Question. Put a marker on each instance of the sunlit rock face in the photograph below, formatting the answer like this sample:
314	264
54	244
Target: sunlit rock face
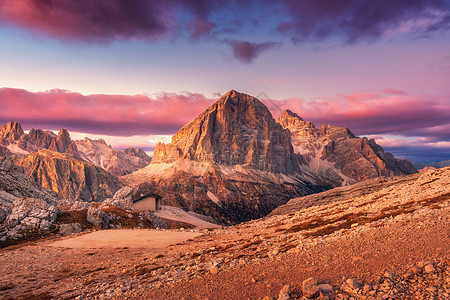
14	142
337	156
69	177
236	130
233	162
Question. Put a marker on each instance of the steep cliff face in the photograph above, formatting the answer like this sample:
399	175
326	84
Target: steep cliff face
337	156
14	184
236	130
69	177
14	142
234	162
11	131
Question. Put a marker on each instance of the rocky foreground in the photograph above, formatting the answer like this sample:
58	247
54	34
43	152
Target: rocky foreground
391	242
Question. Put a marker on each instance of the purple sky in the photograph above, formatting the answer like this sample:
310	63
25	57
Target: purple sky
135	71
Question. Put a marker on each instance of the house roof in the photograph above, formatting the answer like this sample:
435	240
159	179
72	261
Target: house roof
143	191
158	197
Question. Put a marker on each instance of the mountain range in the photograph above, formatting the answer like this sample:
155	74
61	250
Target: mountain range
15	142
234	162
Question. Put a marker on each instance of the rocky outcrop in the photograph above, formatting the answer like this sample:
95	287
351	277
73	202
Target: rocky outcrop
36	140
68	229
69	177
98	218
31	214
123	198
61	142
14	185
336	156
236	130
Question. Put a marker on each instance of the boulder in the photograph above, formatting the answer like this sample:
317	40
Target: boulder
98	218
68	229
123	198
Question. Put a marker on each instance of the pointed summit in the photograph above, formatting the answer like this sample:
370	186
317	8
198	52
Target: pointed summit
289	119
237	129
11	131
63	140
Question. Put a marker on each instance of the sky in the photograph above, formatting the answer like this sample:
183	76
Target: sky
135	71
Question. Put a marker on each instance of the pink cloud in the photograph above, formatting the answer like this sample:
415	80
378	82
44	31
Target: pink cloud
107	114
164	113
375	113
402	123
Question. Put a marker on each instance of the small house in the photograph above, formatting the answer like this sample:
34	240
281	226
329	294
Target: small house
147	202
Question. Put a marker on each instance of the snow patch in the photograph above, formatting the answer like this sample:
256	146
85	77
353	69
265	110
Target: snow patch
177	214
14	148
214	198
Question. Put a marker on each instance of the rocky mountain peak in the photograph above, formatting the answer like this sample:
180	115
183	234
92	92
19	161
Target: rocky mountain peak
292	121
11	131
62	141
337	155
137	153
237	129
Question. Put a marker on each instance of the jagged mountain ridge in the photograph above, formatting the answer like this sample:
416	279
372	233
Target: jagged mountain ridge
337	156
14	142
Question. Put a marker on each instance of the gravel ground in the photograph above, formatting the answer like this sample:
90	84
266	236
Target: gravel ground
391	243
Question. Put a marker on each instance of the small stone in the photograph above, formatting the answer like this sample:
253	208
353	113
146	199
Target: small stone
367	288
388	275
353	283
284	293
429	269
310	288
408	274
431	289
325	288
416	269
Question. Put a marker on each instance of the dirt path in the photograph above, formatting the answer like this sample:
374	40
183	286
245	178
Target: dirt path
126	238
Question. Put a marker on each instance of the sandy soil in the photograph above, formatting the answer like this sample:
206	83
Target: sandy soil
177	214
126	238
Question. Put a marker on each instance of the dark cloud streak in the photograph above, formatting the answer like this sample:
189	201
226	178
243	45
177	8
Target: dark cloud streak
246	52
348	21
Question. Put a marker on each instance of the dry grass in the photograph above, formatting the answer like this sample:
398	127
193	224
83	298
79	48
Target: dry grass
329	226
